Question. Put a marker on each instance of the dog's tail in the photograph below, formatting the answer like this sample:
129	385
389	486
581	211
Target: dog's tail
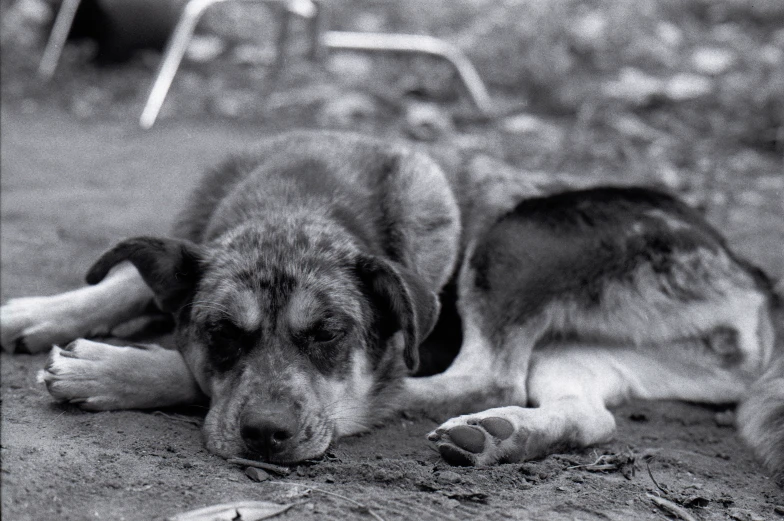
760	416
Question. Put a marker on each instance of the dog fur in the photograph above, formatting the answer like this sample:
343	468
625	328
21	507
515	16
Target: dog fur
305	275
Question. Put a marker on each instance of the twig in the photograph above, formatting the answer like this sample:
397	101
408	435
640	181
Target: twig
672	508
648	466
277	469
344	498
178	417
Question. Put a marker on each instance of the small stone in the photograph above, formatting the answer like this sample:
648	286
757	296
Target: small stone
688	86
713	61
257	474
779	509
634	86
203	49
448	476
427	121
467	437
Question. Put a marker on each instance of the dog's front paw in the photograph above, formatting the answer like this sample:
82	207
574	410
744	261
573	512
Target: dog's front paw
103	377
35	324
90	374
476	439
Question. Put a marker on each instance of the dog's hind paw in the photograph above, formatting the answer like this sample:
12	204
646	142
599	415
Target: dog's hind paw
35	324
479	439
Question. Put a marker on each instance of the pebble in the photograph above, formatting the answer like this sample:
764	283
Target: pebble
257	474
448	476
714	61
688	86
427	122
203	49
634	86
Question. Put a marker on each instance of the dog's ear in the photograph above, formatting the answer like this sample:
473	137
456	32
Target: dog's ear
404	301
170	267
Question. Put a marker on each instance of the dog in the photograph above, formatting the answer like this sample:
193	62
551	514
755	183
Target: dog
304	276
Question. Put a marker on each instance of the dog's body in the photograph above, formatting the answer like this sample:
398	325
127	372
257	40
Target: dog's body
305	275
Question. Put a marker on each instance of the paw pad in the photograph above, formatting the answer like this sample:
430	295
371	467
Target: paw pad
455	456
497	427
468	438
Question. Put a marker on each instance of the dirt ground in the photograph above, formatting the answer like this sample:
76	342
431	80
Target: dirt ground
69	189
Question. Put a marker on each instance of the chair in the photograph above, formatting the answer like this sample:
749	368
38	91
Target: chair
320	42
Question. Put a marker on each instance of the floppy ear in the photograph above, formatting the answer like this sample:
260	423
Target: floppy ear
170	267
401	295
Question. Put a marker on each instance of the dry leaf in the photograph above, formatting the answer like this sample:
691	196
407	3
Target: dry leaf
239	511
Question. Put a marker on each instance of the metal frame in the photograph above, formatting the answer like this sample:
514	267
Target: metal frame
54	46
320	40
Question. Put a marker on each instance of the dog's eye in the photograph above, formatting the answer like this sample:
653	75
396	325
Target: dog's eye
227	343
325	336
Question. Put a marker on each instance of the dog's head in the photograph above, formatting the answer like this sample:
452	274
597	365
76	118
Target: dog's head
296	341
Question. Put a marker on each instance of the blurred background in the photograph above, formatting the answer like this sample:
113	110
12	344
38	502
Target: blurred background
688	94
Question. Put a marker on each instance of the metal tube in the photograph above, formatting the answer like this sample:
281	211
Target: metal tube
57	38
172	57
419	44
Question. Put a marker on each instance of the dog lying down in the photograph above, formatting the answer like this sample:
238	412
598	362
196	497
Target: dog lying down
304	275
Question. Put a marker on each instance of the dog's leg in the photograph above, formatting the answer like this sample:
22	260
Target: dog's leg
34	324
570	388
103	377
481	375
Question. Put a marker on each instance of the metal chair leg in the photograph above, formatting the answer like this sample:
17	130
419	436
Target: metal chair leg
54	46
416	44
175	50
320	40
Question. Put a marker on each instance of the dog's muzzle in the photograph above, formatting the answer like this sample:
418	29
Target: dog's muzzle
269	431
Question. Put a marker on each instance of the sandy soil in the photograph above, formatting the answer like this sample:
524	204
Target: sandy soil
69	189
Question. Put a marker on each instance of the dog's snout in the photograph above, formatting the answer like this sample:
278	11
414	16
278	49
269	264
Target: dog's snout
267	432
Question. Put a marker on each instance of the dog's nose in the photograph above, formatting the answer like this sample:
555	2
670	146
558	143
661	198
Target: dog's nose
267	432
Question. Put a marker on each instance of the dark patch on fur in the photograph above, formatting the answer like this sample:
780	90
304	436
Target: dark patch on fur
228	344
400	300
440	348
170	267
571	244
